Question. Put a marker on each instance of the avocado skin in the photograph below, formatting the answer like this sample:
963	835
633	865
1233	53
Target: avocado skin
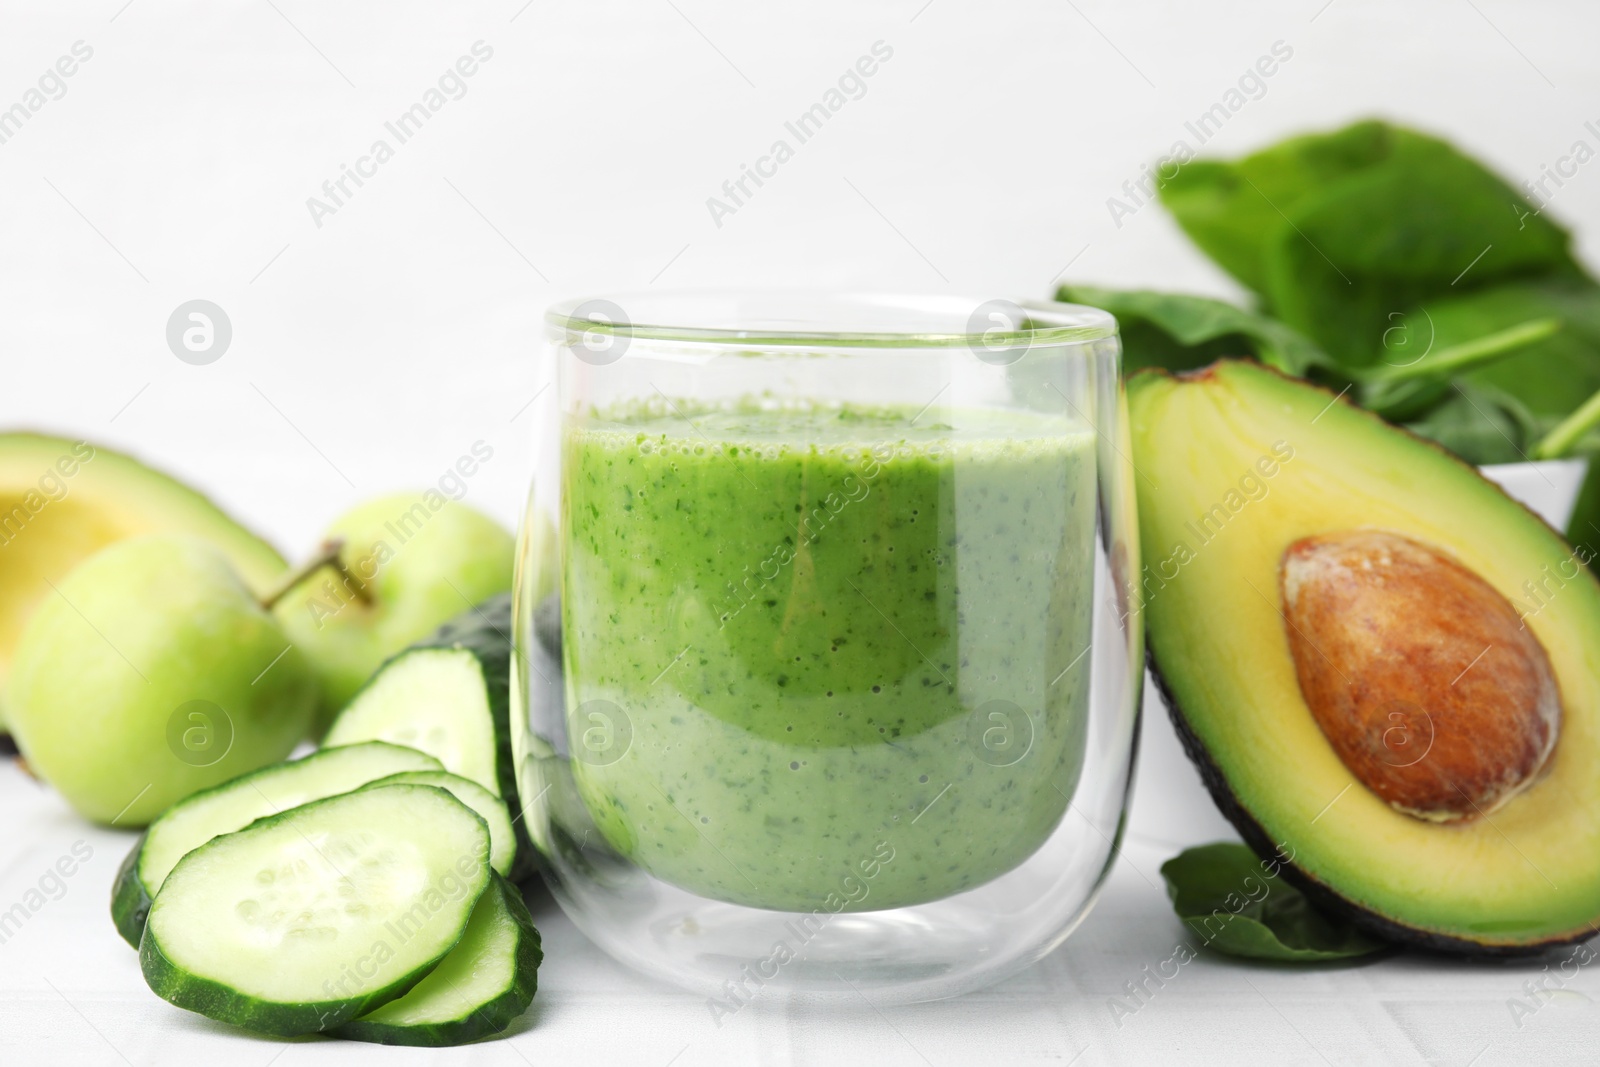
1256	836
1262	845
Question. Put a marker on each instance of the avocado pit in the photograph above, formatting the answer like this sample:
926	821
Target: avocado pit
1420	674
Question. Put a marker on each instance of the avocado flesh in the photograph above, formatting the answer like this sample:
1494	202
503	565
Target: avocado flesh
51	521
1520	879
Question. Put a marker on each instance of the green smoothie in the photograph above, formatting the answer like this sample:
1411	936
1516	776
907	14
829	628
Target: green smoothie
834	654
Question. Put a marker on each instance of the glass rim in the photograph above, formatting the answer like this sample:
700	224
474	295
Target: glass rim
1039	323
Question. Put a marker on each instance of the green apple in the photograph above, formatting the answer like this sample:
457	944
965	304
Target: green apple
151	672
404	564
61	501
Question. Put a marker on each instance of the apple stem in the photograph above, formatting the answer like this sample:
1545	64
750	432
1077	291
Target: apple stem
328	555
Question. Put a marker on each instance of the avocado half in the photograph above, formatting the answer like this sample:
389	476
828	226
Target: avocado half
1235	464
61	501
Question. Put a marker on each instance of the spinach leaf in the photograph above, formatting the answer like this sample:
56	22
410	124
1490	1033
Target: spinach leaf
1351	227
1551	377
1241	906
1573	434
1583	529
1228	208
1533	387
1481	424
1386	259
1177	331
1400	391
1429	225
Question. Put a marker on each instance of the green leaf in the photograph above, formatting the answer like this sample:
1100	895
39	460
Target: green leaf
1399	391
1228	208
1583	529
1551	378
1177	331
1539	383
1563	440
1481	424
1478	352
1338	232
1241	906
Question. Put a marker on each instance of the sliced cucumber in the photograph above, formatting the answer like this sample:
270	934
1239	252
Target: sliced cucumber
306	920
450	696
486	982
433	699
223	809
502	838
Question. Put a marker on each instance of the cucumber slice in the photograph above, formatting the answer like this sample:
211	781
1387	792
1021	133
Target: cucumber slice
432	699
303	921
232	805
486	982
502	838
448	695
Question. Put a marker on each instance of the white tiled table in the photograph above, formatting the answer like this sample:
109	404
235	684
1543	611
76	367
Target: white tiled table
71	993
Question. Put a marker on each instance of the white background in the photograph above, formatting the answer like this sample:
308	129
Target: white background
404	329
370	352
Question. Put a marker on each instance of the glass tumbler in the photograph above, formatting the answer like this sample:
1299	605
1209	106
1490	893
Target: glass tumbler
827	636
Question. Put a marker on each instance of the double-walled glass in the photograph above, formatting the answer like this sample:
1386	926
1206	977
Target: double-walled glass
828	636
